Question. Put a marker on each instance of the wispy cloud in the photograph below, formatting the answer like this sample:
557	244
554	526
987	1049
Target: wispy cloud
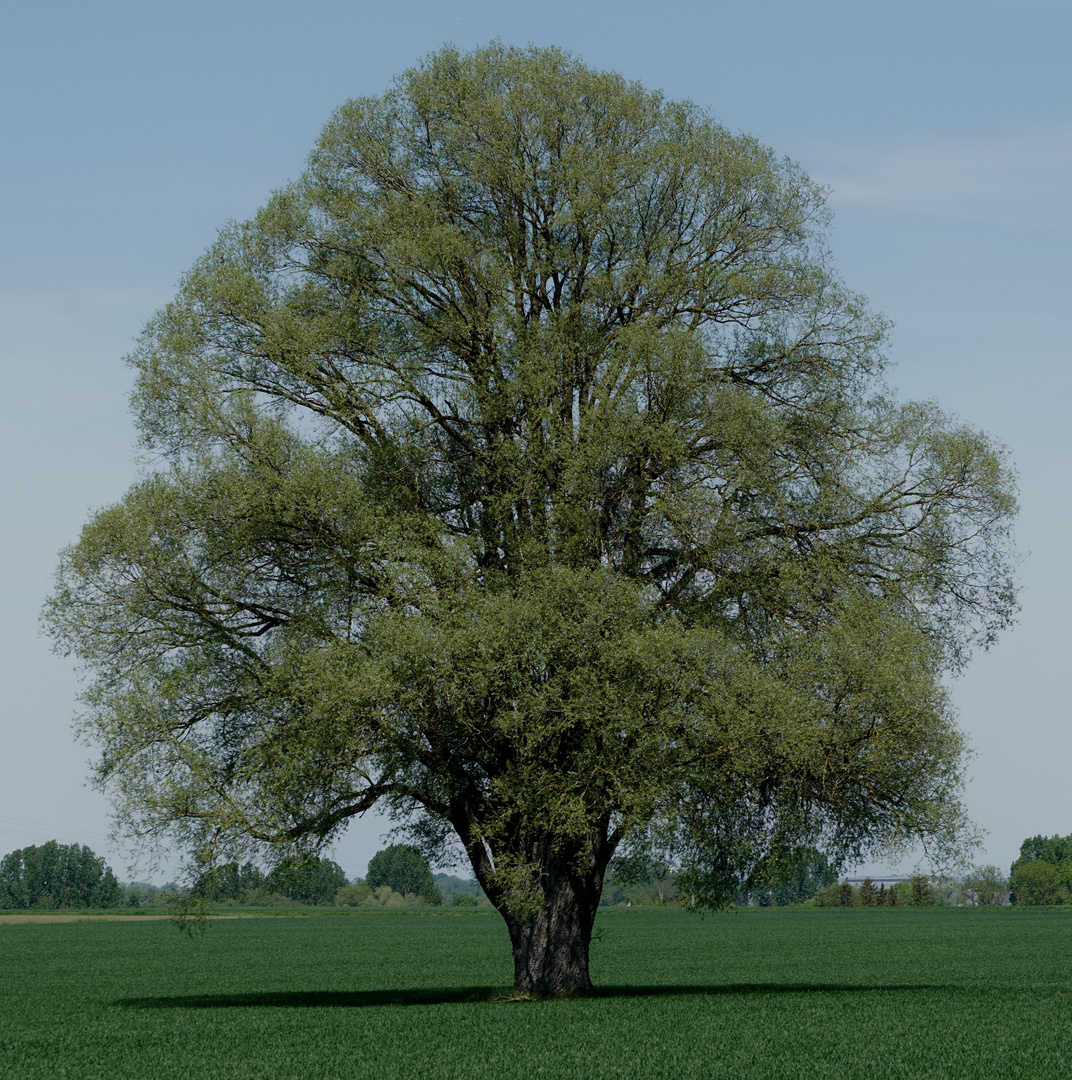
1018	179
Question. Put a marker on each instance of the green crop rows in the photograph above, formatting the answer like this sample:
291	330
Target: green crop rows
815	993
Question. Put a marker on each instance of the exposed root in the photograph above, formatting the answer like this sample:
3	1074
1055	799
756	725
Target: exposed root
530	995
516	995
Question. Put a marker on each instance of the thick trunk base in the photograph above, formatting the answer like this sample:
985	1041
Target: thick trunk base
551	948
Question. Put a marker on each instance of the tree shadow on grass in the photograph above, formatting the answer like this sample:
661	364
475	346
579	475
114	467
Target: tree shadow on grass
455	995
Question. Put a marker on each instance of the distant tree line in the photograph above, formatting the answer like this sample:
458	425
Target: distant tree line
70	876
1041	875
54	875
298	880
397	876
460	892
917	891
794	878
400	876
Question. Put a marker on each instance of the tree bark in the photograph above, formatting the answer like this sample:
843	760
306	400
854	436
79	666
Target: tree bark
551	947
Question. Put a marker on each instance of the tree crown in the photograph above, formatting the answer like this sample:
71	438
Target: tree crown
525	465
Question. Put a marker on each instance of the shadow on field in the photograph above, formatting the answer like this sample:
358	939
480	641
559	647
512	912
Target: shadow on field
450	995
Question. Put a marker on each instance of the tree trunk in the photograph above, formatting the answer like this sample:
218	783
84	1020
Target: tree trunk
551	947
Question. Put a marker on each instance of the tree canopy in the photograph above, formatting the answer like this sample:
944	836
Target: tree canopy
55	875
229	881
1056	850
525	468
306	879
1042	874
406	870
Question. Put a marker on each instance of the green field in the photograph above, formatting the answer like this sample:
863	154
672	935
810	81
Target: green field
794	992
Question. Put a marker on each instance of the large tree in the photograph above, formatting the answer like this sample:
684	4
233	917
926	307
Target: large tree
525	468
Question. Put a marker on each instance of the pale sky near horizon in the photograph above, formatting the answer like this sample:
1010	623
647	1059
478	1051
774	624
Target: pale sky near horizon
132	132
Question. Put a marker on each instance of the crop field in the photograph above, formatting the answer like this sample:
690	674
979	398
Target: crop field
793	992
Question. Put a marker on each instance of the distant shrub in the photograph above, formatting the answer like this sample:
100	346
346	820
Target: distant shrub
792	877
363	895
352	895
146	894
464	900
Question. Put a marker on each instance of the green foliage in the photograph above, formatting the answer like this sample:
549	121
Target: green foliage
306	880
641	881
793	878
404	869
770	994
1039	882
380	896
55	875
450	886
353	895
660	891
919	891
916	892
526	468
1043	872
230	882
828	897
1056	850
144	894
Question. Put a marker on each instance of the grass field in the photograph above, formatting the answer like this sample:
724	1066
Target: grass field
809	993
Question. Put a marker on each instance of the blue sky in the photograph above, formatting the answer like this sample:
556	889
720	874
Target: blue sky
132	132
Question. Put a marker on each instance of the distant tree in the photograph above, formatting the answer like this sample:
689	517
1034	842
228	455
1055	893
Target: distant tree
869	895
985	886
1029	882
406	870
919	891
55	875
450	885
1056	850
229	882
846	895
613	893
306	880
1038	882
789	878
136	893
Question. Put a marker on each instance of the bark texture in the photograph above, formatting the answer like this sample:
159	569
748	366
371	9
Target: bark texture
551	947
